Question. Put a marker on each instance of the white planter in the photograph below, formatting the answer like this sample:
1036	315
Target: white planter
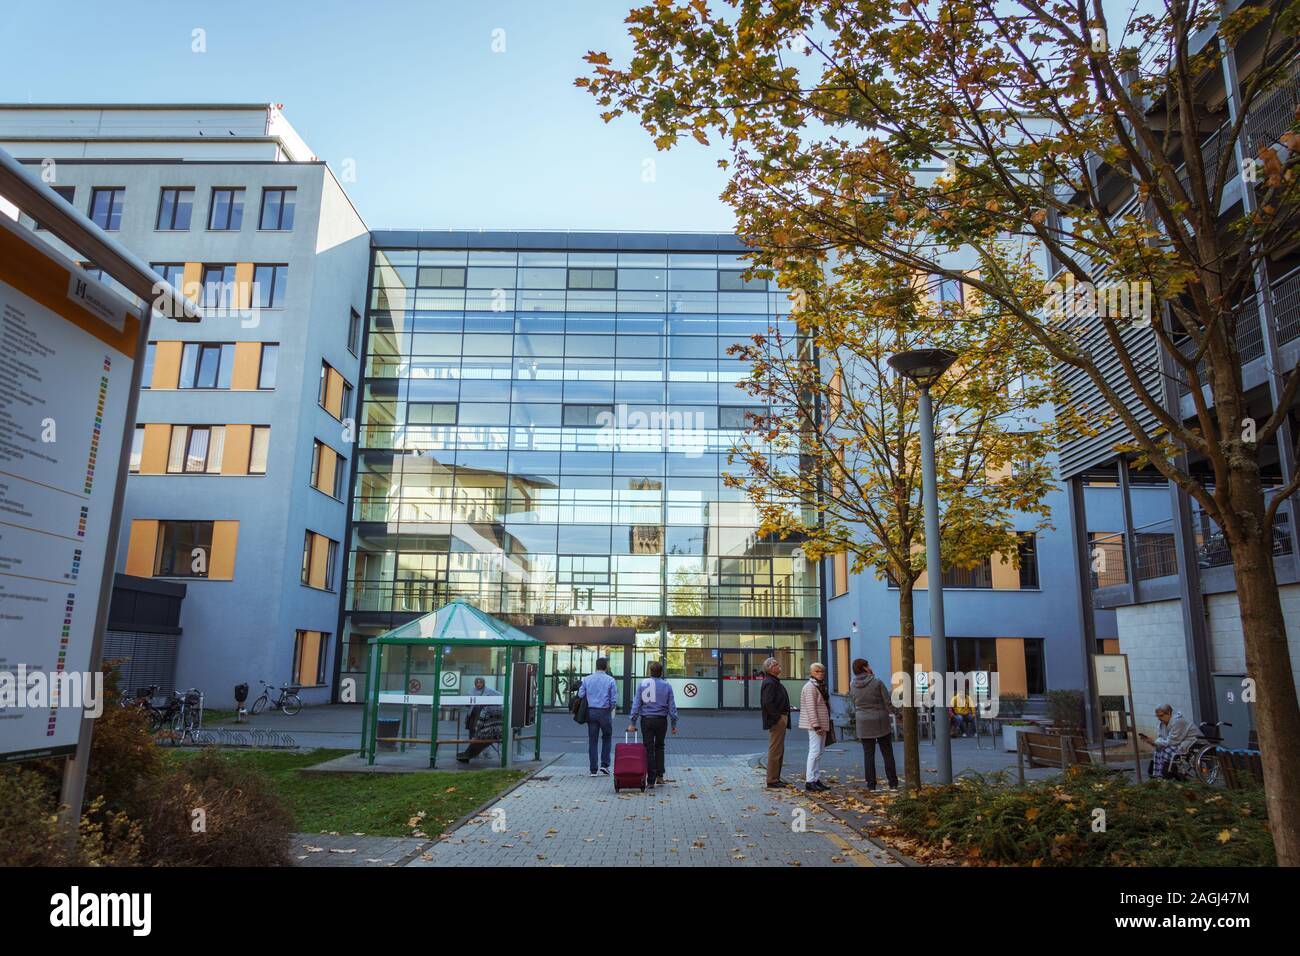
1009	732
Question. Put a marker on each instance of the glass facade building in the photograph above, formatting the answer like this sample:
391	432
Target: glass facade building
543	429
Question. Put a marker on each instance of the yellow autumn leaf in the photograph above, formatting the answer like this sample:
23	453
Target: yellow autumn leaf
1031	813
1225	836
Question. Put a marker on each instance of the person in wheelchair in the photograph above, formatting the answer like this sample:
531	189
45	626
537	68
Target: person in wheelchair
482	723
1175	735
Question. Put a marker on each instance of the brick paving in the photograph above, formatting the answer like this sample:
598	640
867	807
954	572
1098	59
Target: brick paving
716	813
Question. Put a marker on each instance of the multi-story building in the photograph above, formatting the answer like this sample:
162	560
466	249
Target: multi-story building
545	419
1169	580
243	443
1021	624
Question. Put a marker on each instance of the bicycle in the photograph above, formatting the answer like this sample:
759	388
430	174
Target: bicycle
289	703
182	717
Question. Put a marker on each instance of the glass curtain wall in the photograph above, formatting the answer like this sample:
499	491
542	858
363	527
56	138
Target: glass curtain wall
543	434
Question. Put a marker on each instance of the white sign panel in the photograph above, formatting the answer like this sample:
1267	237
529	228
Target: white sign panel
1112	674
65	373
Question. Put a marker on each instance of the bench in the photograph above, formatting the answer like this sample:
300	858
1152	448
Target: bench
1241	769
1050	750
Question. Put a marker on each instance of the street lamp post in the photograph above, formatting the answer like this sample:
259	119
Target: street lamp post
924	367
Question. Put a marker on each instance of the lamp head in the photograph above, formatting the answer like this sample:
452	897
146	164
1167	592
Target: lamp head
923	366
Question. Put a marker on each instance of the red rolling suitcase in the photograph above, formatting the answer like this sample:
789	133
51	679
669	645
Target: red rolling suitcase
629	765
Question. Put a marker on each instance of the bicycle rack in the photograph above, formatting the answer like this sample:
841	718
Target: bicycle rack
253	739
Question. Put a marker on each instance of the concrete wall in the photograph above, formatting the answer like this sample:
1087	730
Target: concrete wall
1152	637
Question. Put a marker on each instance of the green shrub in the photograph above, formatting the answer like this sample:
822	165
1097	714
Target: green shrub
213	811
30	836
1050	822
1011	704
1065	709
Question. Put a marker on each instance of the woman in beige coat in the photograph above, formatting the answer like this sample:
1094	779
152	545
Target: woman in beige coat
815	717
871	707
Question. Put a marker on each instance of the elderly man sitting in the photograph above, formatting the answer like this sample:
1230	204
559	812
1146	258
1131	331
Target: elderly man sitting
1175	735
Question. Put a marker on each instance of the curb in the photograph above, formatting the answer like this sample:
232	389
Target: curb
882	847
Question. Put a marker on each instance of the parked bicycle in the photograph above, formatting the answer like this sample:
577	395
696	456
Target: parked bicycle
182	717
288	702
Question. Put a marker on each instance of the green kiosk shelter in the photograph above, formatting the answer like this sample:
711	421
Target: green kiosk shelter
437	661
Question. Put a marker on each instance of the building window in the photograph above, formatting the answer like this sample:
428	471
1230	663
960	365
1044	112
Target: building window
218	286
106	208
1035	668
206	365
272	284
840	655
137	449
184	549
173	273
738	416
593	278
588	416
944	289
226	213
1028	549
258	448
146	373
310	650
733	280
319	555
345	401
277	209
839	574
175	207
335	394
66	193
431	413
354	331
196	449
980	576
436	277
266	371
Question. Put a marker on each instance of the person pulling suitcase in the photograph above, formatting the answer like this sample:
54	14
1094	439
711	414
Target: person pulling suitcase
655	705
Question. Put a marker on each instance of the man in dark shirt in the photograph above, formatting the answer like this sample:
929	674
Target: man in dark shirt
776	719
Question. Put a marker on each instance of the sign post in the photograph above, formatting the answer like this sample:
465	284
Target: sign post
1111	671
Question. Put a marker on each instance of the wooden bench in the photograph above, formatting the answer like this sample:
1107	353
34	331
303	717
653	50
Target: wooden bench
1241	769
1050	750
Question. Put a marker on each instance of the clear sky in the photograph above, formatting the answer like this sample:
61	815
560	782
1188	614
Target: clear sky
444	132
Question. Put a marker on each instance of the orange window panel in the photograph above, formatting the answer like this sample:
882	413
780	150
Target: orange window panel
225	540
248	363
142	549
166	364
153	453
239	442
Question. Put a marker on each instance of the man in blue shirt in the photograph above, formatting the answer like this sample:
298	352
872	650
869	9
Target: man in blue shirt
601	691
655	704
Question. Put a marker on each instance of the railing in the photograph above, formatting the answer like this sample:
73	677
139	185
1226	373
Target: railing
1157	555
1211	152
1275	113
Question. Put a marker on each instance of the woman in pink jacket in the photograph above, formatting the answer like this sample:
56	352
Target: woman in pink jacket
815	717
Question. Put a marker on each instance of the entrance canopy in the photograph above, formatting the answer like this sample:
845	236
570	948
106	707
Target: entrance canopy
456	661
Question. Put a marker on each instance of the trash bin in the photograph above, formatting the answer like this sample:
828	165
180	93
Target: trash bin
388	727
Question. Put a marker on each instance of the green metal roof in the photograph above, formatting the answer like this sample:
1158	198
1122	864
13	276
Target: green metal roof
457	623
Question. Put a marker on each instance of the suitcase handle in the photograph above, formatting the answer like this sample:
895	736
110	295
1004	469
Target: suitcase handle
634	733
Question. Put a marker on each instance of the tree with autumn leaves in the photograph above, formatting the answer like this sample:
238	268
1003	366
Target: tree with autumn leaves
835	461
1058	124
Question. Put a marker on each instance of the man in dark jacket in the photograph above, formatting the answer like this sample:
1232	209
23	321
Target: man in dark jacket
776	719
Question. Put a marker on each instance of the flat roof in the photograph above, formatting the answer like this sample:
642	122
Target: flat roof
557	239
137	106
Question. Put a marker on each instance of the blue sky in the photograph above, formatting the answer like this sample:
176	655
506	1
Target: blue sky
444	132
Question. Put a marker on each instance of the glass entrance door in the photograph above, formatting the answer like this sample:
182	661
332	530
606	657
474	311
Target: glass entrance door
741	673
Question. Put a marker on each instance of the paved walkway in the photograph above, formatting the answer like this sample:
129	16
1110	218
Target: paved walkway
716	812
351	849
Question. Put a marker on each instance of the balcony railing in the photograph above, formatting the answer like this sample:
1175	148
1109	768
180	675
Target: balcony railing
1157	556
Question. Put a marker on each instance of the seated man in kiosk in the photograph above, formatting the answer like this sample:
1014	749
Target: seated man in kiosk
482	724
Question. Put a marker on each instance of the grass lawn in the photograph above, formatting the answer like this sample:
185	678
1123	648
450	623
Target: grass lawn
377	804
